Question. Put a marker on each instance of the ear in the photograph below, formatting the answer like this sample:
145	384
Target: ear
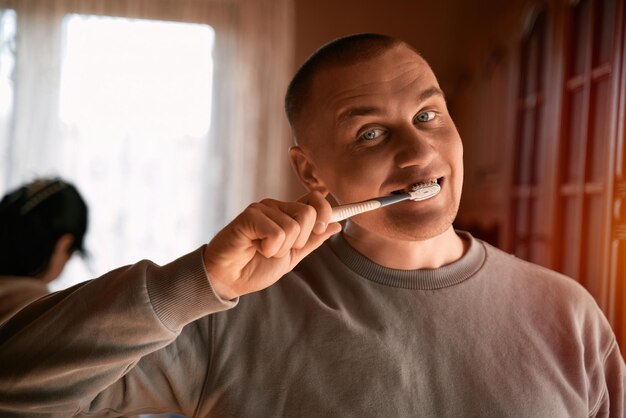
64	244
304	166
59	257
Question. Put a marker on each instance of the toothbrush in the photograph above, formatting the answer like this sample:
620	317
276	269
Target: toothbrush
418	192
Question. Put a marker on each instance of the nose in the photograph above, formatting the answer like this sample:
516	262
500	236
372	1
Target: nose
413	148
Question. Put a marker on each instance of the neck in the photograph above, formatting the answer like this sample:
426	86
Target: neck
389	252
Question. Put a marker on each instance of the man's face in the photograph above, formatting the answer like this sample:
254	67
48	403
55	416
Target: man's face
379	126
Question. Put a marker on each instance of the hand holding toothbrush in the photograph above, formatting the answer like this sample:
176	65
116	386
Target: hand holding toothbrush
267	240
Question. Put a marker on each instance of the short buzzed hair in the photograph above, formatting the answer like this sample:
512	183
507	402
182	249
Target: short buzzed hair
342	51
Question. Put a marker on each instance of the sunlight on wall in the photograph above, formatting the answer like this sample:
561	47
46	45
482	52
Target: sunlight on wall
135	106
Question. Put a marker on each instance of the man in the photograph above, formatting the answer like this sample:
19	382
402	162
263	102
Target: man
397	316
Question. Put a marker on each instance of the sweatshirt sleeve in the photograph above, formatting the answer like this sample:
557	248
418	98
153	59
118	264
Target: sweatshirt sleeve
612	402
62	354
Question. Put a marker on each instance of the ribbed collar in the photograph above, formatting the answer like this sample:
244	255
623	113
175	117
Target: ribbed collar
421	279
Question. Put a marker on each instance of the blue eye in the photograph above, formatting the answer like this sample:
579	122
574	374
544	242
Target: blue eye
372	134
425	116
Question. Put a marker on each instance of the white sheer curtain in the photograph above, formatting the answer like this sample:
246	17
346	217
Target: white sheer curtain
244	155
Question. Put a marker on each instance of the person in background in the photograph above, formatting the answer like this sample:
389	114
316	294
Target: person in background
41	225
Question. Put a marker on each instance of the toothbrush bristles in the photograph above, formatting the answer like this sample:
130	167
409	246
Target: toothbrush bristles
418	186
424	190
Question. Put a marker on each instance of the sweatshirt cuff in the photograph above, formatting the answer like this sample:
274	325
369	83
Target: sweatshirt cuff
180	292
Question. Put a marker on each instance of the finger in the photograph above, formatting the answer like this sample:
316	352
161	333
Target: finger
261	230
322	208
290	227
305	215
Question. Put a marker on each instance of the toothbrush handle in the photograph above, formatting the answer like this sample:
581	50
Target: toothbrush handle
345	211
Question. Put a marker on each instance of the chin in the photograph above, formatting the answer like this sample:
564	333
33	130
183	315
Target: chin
424	227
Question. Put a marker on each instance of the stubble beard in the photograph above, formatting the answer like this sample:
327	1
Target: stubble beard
420	227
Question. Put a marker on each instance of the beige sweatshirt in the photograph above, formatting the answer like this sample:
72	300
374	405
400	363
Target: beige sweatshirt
487	336
17	292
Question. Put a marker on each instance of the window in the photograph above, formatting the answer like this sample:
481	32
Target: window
135	112
7	64
583	192
577	241
528	238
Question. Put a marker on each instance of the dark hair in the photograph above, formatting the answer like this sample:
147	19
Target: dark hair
341	51
32	219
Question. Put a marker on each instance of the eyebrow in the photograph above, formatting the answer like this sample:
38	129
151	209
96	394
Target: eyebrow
356	111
